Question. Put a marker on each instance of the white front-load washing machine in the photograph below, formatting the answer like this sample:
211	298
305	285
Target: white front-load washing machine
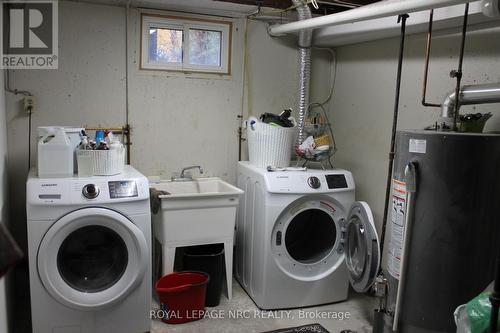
89	241
301	237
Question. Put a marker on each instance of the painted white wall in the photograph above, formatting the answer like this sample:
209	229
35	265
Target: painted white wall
176	120
180	120
362	106
3	187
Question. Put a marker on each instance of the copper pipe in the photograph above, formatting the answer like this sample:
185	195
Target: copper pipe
112	129
427	56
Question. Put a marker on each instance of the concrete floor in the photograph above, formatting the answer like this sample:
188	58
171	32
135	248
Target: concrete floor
358	307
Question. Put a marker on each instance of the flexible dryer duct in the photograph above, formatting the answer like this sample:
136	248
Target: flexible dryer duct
304	43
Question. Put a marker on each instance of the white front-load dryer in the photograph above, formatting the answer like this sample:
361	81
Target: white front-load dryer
89	241
301	237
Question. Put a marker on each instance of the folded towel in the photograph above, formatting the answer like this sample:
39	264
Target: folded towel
154	199
10	253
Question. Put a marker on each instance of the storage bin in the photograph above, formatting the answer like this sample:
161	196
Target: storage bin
208	259
182	296
55	154
270	145
100	162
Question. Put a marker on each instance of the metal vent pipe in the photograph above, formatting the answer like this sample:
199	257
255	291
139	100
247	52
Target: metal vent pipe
304	43
471	95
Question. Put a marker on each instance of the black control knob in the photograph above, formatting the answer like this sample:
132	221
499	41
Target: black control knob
314	182
90	191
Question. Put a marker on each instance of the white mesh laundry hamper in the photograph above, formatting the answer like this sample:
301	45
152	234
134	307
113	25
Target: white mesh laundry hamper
270	145
100	162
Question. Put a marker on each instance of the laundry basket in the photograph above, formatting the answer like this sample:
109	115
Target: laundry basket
270	145
100	162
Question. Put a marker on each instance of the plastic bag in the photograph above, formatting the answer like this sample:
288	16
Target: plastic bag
474	317
479	312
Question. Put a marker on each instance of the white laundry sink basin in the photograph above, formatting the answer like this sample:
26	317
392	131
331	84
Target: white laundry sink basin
202	192
195	210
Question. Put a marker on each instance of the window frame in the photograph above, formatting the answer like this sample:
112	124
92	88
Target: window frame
186	23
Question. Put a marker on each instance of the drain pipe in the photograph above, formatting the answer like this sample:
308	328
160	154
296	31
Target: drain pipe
470	95
304	43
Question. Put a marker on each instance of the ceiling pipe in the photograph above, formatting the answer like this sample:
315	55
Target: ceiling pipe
471	95
368	12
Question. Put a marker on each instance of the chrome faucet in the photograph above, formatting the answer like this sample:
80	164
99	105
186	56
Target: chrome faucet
188	177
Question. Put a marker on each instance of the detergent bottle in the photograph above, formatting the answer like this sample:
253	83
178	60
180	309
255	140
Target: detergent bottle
55	154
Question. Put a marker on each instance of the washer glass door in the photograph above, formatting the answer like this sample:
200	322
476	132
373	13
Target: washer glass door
92	258
363	248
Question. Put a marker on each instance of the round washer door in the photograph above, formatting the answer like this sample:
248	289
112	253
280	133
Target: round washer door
92	258
362	247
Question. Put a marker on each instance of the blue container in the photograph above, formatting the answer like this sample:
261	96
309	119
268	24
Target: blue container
99	136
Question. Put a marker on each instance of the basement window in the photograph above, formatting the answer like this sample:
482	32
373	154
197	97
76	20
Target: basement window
185	44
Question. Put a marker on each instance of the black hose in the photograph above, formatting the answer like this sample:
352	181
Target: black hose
458	73
29	140
401	18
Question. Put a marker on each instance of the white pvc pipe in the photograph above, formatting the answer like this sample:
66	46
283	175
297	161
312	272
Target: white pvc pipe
368	12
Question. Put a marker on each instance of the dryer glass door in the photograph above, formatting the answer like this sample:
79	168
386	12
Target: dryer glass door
363	248
306	238
310	236
92	258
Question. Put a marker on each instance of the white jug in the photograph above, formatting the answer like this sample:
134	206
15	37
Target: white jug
55	154
72	132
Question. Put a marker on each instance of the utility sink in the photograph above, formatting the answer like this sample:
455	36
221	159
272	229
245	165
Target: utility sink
202	211
199	193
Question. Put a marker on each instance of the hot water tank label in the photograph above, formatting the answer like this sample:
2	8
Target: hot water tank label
418	146
398	213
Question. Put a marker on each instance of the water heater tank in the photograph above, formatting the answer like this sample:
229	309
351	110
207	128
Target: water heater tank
454	228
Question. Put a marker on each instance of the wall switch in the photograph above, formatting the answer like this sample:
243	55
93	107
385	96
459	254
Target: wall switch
29	104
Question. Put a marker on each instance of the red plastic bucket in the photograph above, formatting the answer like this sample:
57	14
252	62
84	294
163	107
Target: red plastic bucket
182	296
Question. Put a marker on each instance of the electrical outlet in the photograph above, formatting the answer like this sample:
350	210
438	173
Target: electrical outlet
29	104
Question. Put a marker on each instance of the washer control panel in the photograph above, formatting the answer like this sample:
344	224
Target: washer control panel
314	182
122	189
90	191
130	185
